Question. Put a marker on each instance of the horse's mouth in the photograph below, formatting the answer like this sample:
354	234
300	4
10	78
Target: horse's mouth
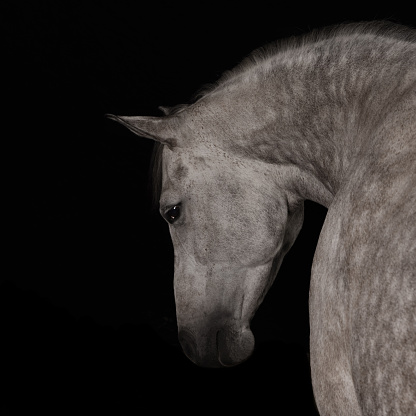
220	348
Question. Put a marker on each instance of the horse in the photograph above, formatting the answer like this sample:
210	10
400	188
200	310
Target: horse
330	117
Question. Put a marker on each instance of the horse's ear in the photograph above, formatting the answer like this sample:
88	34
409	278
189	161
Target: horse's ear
165	110
159	129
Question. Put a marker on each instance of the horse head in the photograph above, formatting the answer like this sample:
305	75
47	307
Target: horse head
231	219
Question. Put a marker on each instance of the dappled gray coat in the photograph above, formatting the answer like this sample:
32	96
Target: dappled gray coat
330	117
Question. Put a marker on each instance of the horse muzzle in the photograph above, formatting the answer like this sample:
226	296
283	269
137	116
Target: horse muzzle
217	347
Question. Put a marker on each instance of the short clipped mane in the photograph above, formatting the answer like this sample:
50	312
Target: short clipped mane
280	47
260	56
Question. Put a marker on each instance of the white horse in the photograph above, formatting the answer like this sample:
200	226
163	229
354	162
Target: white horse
329	117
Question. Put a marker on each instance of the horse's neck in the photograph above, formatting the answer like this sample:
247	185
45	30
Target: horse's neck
319	109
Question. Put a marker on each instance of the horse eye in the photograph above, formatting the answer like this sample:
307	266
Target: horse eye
173	214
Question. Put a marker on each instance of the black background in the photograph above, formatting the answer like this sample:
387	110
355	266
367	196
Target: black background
86	296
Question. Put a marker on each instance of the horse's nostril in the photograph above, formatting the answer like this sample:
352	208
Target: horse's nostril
188	344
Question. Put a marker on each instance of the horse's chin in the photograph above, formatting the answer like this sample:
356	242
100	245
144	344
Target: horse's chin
223	348
234	347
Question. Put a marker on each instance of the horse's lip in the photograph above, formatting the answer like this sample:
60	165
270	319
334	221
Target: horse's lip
228	347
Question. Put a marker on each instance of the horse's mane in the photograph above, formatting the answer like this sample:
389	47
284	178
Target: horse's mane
279	48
